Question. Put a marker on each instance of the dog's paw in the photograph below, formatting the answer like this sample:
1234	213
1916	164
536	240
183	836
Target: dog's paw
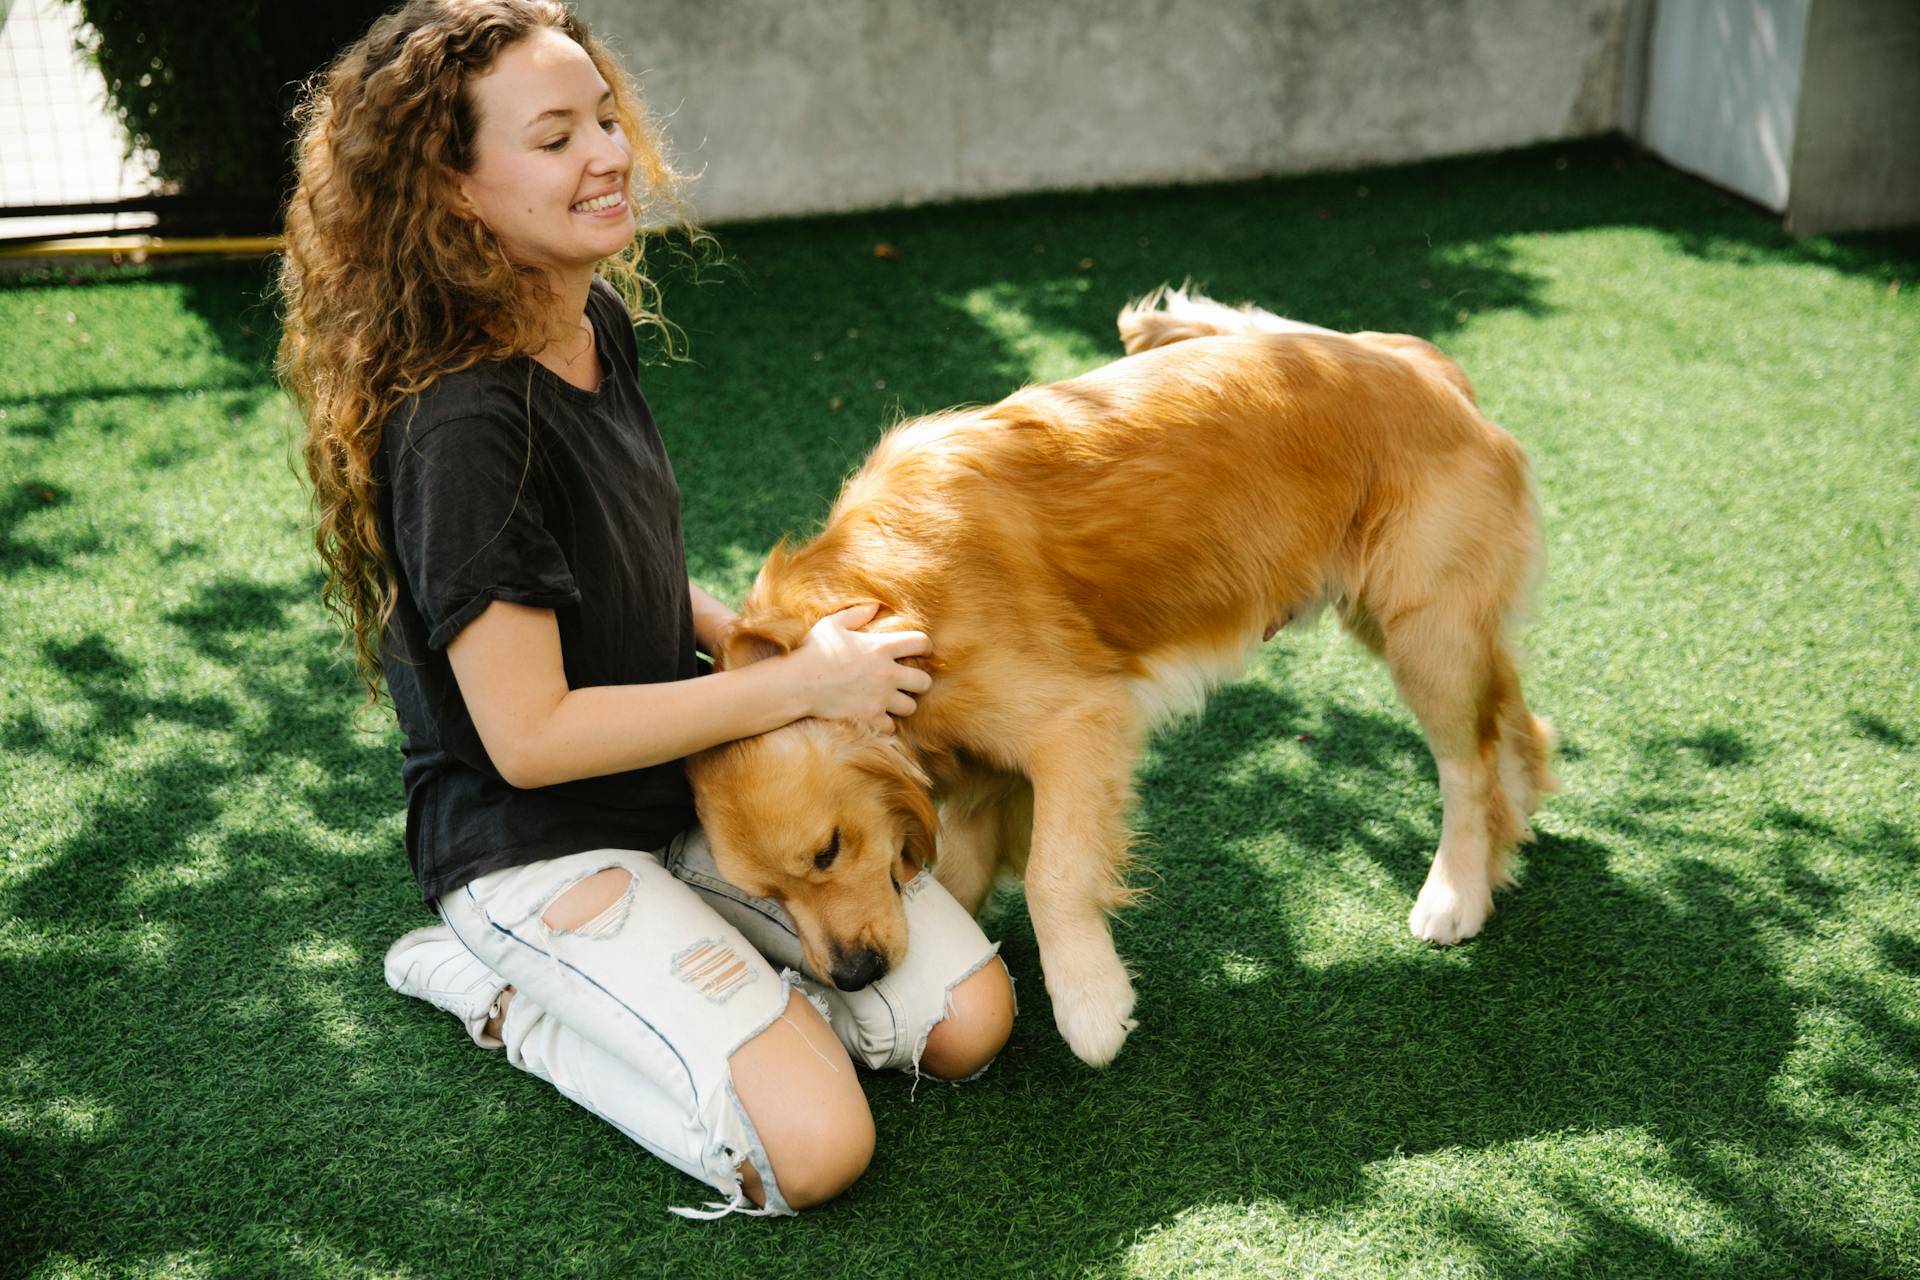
1094	1014
1443	915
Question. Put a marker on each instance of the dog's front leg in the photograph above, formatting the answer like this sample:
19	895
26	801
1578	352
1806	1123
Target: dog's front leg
1081	792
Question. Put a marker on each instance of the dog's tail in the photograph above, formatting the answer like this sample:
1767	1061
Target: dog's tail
1169	315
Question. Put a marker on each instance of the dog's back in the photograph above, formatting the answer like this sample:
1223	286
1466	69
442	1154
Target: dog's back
1238	469
1169	315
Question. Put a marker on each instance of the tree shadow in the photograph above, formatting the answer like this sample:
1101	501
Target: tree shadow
114	389
217	952
1878	729
1591	1004
115	707
20	514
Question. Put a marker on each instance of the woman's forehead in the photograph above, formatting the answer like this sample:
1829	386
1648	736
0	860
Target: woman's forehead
545	72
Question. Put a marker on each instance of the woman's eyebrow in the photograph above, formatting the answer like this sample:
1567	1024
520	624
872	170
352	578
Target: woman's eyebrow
564	113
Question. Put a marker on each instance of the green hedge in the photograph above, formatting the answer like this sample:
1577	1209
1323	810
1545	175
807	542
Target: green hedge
207	85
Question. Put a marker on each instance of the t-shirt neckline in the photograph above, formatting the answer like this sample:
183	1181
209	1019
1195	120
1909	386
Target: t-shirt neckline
560	384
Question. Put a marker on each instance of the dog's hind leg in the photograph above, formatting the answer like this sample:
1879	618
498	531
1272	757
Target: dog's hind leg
986	824
1450	668
1082	789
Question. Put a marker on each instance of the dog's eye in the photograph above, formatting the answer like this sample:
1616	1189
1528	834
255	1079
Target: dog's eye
824	859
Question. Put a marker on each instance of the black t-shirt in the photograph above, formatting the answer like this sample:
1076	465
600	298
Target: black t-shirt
505	482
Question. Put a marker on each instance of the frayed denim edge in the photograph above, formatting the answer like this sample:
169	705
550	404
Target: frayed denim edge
946	1011
776	1205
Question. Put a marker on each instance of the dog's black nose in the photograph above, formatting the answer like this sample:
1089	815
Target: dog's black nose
854	970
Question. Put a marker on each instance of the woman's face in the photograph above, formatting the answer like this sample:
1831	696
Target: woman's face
549	160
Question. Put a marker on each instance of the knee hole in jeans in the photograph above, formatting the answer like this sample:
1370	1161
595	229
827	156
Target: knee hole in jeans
978	1024
592	905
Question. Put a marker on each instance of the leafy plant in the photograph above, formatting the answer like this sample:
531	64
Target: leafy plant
208	87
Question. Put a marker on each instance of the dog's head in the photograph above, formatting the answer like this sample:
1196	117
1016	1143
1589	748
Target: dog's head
829	819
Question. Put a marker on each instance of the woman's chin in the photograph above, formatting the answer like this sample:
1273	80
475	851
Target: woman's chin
610	240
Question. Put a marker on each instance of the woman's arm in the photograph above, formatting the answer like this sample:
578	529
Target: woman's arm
710	619
539	732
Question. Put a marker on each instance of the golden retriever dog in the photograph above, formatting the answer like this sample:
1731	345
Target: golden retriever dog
1092	556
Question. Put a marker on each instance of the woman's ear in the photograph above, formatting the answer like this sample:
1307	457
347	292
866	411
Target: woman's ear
454	194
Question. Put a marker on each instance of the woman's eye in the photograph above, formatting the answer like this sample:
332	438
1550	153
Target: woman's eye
609	125
555	145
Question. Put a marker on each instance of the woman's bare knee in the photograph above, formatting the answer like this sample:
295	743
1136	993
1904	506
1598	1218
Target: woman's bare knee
970	1037
799	1088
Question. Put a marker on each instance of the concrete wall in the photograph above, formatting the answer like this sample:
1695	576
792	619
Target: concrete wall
1856	152
1723	87
805	106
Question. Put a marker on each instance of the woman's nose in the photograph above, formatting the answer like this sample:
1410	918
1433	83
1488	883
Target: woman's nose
613	153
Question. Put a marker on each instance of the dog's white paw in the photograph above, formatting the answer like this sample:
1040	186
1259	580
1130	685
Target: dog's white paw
1444	915
1094	1013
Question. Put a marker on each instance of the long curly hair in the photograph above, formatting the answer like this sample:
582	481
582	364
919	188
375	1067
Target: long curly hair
385	286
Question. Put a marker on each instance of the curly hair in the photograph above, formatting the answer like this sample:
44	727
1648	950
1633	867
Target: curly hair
386	286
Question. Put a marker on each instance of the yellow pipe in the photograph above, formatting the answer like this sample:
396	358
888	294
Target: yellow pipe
140	246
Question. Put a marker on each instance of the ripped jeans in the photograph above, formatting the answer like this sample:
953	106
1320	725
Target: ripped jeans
635	1013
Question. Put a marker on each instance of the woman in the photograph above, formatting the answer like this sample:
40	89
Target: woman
500	529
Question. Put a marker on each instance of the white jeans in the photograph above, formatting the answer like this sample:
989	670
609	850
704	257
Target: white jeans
635	1014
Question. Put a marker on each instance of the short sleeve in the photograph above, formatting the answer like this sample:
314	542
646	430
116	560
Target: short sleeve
468	526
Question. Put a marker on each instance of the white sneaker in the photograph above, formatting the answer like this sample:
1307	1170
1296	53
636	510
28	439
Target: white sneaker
431	964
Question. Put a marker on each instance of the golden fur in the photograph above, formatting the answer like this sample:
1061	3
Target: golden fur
1090	557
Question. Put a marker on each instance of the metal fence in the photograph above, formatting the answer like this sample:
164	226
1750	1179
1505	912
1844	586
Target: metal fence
64	168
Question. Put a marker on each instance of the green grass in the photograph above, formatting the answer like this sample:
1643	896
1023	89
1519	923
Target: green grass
1689	1044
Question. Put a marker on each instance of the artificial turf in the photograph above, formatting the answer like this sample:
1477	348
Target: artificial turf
1688	1044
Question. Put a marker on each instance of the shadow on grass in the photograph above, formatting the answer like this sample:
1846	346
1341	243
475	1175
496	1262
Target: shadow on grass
1591	1005
226	363
19	513
247	1096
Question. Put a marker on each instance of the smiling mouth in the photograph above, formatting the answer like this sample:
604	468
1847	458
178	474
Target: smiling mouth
600	204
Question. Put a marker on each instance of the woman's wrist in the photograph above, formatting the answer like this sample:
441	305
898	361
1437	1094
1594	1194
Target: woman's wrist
788	691
710	619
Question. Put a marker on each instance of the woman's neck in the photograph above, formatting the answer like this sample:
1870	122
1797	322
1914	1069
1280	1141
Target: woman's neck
569	349
569	291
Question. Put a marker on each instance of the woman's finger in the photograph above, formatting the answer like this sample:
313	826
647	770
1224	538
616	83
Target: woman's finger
900	705
855	616
907	644
913	680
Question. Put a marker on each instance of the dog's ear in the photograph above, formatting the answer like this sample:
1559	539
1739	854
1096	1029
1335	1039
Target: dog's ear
923	824
747	642
909	793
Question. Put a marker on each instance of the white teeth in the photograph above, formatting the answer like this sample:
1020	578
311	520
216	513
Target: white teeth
594	206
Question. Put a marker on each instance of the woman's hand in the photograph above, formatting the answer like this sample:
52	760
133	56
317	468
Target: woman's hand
848	674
